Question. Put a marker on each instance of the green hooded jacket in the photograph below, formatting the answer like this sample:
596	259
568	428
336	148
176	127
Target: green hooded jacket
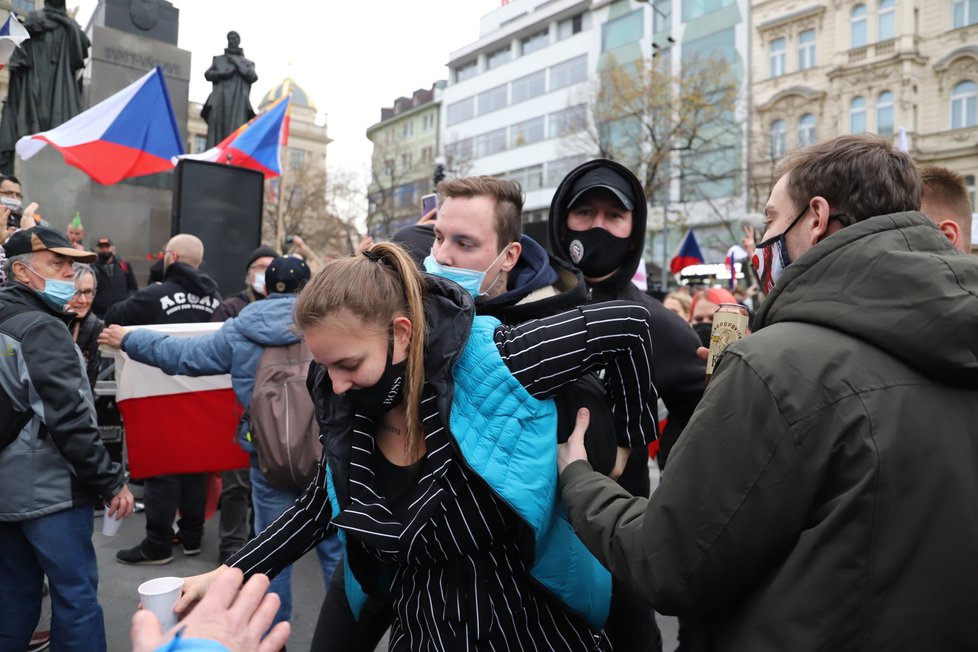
824	495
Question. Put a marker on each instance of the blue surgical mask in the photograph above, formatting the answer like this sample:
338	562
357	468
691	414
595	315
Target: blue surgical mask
56	292
470	279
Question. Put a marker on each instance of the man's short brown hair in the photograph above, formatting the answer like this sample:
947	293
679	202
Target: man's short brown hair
860	176
507	194
947	188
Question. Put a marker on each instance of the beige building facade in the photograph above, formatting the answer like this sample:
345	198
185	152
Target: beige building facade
905	69
405	146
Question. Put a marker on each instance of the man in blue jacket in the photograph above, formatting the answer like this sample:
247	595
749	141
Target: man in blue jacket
236	349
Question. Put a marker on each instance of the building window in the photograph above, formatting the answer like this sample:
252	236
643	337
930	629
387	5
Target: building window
428	121
568	121
573	25
534	41
693	9
530	86
884	113
460	150
557	170
407	129
569	72
22	7
405	161
200	143
857	115
530	178
963	109
427	154
661	15
807	130
622	30
965	13
806	49
778	49
460	111
857	27
526	132
499	57
490	143
296	157
779	139
466	71
969	184
492	99
886	20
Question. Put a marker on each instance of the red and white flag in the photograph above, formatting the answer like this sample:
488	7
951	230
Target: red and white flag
177	424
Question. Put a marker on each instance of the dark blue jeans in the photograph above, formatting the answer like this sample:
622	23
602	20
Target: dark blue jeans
58	545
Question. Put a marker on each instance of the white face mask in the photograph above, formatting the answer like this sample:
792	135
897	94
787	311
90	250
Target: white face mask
258	285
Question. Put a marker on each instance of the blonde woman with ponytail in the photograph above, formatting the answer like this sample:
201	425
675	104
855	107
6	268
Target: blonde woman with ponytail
439	462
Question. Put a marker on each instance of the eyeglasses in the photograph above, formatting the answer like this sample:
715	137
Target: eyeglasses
11	193
87	295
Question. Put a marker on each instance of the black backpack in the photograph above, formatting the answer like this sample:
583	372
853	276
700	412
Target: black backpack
11	421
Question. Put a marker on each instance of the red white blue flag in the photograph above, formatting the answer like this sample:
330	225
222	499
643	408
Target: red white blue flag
12	34
257	144
688	254
130	134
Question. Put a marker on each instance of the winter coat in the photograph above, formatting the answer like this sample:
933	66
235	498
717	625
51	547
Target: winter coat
186	295
58	461
825	494
115	282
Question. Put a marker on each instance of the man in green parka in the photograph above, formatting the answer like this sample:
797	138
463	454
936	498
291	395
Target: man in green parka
824	495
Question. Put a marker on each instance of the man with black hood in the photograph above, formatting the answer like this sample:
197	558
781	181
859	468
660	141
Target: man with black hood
186	295
597	224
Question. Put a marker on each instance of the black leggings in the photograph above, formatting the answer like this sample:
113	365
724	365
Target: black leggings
338	631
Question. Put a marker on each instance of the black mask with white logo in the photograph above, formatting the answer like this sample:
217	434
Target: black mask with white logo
596	252
703	330
388	392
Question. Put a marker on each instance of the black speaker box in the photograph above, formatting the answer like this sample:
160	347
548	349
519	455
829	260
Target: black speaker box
221	205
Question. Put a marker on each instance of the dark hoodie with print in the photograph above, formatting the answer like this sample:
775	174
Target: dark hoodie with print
679	373
186	295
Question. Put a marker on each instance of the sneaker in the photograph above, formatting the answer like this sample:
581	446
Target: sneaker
138	555
39	641
191	551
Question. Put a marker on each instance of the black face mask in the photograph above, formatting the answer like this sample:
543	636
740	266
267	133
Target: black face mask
703	330
388	392
103	257
596	252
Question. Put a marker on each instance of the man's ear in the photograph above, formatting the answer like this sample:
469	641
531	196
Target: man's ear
951	229
819	212
512	256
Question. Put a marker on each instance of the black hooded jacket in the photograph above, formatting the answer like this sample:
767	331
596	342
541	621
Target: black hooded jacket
186	295
679	373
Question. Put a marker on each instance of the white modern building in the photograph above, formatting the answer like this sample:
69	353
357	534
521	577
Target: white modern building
516	96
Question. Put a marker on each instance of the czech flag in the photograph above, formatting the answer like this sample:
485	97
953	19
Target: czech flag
12	34
130	134
257	144
177	424
688	254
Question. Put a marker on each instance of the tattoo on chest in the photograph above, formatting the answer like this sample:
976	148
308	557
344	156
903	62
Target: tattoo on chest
389	428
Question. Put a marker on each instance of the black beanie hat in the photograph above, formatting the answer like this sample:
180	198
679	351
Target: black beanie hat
261	252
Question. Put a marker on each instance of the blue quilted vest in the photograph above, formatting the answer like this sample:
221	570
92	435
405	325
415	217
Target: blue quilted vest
509	439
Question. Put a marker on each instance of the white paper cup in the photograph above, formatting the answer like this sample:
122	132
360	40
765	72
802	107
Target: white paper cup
110	524
159	596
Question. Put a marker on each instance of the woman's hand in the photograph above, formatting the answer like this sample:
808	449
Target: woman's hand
237	619
194	588
112	336
573	449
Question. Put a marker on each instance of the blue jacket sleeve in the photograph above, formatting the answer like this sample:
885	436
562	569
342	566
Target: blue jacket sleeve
204	355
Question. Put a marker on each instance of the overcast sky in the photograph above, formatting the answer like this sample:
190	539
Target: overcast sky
352	58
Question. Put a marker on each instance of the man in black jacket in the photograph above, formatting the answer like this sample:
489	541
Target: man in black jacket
113	276
186	295
56	468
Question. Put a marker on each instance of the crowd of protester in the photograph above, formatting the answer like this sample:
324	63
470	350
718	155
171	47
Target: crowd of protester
485	406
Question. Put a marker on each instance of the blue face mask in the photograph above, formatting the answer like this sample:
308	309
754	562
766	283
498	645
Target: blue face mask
56	292
470	279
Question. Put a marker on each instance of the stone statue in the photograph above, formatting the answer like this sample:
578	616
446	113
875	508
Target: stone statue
228	106
45	84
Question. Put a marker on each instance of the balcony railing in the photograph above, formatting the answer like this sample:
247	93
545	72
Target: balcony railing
857	54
